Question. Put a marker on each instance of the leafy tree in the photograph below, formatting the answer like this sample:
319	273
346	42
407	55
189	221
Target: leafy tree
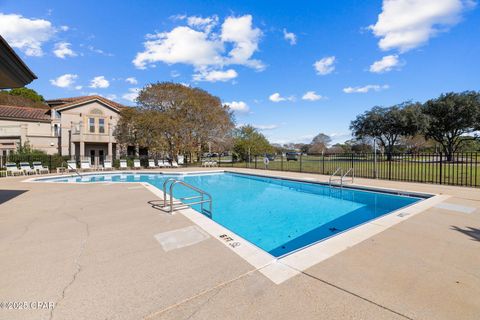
187	118
450	117
18	100
27	150
389	124
319	143
27	93
249	142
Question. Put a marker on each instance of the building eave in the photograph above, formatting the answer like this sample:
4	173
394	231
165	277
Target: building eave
14	73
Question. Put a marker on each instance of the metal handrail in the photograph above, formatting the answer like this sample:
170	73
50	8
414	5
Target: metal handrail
334	174
346	173
203	194
74	169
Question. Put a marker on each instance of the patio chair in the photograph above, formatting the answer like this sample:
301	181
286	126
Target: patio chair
174	164
136	164
167	164
151	164
123	164
71	165
39	168
25	167
85	165
13	170
107	165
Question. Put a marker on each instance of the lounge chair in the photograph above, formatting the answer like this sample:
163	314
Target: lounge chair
71	165
25	167
214	164
164	164
85	165
174	164
136	164
13	170
39	168
107	165
151	164
123	164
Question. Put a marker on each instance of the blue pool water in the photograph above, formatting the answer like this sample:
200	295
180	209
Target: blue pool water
277	215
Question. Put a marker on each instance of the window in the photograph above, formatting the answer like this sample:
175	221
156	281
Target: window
101	125
56	130
91	125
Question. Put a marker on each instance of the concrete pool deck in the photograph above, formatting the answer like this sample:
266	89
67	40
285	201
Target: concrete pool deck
90	249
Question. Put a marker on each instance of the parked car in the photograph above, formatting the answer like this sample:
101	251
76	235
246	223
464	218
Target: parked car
292	156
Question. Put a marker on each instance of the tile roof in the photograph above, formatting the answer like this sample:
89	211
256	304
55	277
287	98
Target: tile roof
65	102
16	112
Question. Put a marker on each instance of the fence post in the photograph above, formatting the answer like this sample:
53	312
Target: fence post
255	162
352	160
281	161
389	159
49	163
441	168
301	161
323	163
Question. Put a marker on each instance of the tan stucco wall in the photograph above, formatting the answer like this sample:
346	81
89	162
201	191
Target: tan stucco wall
38	134
81	114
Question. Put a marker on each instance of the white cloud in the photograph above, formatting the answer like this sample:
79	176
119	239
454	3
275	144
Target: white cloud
131	95
407	24
111	96
311	96
63	50
244	38
131	80
64	81
198	46
276	97
215	75
265	126
99	82
385	64
205	24
290	37
78	87
325	65
365	89
26	34
174	74
238	106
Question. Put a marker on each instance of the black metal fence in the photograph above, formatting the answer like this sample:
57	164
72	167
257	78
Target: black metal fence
462	170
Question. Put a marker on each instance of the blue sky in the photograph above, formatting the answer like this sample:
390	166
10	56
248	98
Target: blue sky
293	69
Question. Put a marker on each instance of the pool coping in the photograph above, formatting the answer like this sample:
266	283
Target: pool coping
280	269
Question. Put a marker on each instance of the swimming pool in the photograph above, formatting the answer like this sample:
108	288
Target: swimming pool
277	215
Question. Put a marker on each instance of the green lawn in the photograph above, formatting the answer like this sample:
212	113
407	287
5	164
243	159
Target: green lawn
419	168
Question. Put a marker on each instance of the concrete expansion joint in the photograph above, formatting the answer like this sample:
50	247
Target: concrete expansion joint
78	266
353	294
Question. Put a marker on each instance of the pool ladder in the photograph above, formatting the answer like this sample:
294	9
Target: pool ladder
342	176
170	205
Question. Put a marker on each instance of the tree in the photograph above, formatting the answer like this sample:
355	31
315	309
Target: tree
319	143
27	93
6	98
188	118
249	142
450	117
389	124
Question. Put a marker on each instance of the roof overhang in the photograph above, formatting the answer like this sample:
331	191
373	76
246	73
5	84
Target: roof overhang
84	102
14	73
